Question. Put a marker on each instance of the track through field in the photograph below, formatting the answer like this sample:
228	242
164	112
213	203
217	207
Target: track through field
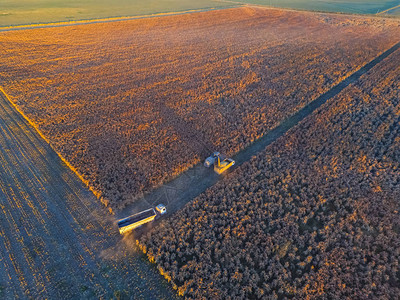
56	240
198	179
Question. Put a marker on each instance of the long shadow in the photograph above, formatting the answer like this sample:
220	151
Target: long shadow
195	181
187	131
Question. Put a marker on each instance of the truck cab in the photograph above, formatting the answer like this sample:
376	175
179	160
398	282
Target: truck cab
161	209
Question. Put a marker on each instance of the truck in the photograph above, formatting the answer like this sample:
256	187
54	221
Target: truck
128	224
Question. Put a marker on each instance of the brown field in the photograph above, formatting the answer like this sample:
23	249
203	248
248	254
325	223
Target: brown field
132	104
56	239
314	216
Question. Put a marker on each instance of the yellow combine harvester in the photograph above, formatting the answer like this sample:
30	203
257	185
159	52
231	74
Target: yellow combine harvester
220	163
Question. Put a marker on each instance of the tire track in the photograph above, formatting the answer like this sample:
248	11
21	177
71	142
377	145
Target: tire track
53	230
204	179
46	155
54	221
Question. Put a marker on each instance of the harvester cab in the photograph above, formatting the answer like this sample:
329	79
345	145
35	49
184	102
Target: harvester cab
221	163
211	159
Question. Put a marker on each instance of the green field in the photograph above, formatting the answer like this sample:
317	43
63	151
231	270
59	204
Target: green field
347	6
395	12
21	12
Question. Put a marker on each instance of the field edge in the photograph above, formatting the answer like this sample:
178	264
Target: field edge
96	193
110	19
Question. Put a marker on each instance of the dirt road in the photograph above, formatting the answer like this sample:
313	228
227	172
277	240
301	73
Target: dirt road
56	241
198	179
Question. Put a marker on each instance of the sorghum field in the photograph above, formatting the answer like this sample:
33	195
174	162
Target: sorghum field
132	104
314	216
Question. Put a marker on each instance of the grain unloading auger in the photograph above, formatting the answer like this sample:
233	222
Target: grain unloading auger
221	163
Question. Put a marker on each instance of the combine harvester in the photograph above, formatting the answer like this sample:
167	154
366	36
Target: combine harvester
221	163
128	224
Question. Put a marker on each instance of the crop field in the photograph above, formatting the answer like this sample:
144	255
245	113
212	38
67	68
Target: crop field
133	104
345	6
313	216
21	12
56	241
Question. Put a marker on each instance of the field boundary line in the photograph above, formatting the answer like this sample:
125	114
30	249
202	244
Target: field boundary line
110	20
387	10
320	11
96	193
235	4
